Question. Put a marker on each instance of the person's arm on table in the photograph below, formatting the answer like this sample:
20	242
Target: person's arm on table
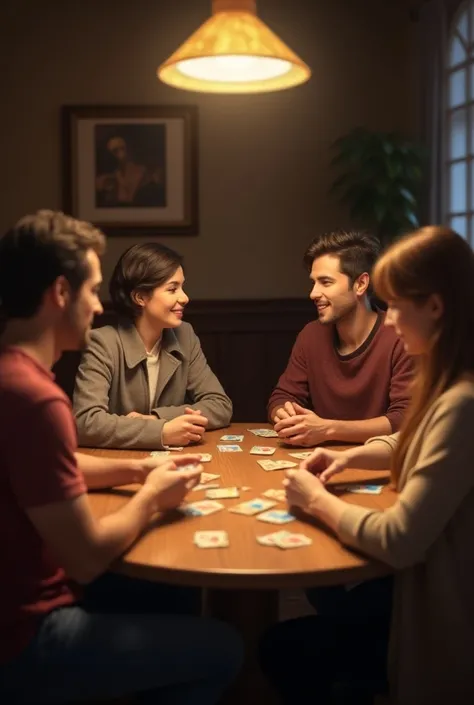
100	473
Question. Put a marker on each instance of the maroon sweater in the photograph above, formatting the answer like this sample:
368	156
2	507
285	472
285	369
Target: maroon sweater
370	382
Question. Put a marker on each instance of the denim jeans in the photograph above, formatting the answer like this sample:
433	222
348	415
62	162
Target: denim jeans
83	653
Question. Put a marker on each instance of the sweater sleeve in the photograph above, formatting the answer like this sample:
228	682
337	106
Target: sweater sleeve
97	425
436	487
399	394
293	383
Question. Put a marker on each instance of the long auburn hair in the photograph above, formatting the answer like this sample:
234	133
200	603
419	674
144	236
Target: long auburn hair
432	260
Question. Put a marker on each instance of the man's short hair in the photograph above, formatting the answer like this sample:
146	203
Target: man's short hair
36	251
142	267
357	250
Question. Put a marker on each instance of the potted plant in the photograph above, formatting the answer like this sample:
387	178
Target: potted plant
380	180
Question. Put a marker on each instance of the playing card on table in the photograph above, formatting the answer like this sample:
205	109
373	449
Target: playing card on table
364	489
231	437
262	450
190	466
276	516
229	449
159	453
269	465
264	432
269	539
292	540
205	457
253	506
301	456
208	477
279	495
202	509
206	486
223	493
211	539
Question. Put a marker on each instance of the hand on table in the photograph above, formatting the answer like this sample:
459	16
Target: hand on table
172	484
185	429
303	428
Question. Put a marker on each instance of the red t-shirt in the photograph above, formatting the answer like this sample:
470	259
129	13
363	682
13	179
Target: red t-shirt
37	467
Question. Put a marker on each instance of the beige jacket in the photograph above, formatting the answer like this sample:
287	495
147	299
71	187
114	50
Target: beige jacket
112	381
428	537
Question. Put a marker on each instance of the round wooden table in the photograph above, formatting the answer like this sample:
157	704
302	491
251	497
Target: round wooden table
242	581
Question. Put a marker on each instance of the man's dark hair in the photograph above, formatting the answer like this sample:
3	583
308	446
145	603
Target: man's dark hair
36	251
357	251
141	268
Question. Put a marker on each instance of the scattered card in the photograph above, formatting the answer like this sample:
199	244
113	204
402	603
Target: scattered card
301	456
269	539
263	432
159	453
206	486
229	449
223	493
201	509
253	506
205	457
233	438
190	466
211	539
270	465
276	516
208	477
364	489
262	450
292	540
278	495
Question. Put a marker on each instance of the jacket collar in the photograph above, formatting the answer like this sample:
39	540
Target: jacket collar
133	348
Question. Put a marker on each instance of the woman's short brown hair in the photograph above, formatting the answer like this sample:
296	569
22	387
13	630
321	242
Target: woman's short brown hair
141	268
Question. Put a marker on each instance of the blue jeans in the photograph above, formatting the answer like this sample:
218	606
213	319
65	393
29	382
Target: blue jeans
80	653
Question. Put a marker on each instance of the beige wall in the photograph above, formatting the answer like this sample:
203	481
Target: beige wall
264	173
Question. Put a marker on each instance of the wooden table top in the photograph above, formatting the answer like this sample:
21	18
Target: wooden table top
166	552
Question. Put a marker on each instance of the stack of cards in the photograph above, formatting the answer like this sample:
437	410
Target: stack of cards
284	539
211	539
262	450
264	432
279	495
223	493
276	516
201	509
253	506
229	449
232	438
270	465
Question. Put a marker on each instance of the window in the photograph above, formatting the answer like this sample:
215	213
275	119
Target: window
460	123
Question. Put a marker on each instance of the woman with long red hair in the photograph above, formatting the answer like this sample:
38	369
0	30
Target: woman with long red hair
427	536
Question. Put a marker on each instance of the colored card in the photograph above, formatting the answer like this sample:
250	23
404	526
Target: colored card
223	493
211	539
202	509
276	516
253	506
229	449
262	450
270	465
232	438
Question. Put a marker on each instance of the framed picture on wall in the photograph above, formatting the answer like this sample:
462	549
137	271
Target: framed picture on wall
131	169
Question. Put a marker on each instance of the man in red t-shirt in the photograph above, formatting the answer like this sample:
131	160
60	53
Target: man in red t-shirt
55	646
348	374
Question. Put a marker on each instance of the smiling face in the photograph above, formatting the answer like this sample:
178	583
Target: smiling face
164	306
333	294
415	321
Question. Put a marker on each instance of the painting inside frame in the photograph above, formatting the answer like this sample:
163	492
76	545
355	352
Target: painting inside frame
132	169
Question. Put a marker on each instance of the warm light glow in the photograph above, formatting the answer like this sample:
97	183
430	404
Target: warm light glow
233	68
234	52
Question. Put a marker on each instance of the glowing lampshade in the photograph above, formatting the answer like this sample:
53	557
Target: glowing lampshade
233	52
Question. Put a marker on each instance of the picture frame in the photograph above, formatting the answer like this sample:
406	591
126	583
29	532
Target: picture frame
132	169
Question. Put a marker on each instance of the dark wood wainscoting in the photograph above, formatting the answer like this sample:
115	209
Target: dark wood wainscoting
247	344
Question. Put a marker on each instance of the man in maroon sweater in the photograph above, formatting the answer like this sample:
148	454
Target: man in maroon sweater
347	376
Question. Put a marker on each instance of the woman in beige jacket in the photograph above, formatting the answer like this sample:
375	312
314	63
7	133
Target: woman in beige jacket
427	536
145	383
